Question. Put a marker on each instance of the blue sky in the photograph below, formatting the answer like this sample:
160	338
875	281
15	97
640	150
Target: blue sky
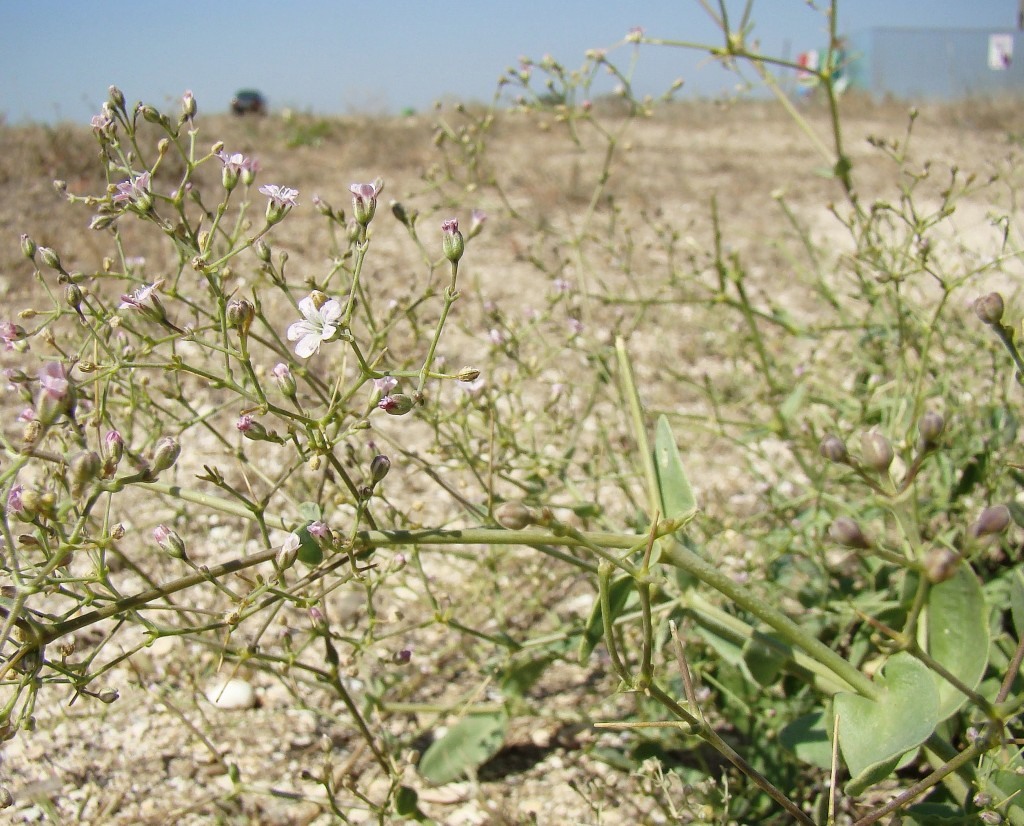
336	56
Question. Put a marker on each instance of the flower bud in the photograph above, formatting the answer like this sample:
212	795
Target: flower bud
989	308
285	380
84	467
165	454
262	251
834	449
188	105
930	427
252	429
288	553
116	97
28	247
321	206
113	446
169	542
379	468
73	297
50	258
402	657
846	532
397	404
514	515
151	114
940	564
240	314
399	212
108	696
452	242
476	222
991	521
876	451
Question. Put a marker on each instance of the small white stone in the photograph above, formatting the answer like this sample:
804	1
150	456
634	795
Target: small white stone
232	694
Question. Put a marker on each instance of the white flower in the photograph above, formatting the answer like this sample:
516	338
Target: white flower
319	325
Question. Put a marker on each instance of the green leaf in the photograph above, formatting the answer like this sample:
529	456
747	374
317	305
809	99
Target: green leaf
594	632
765	657
407	805
675	495
674	489
521	674
310	511
309	549
468	744
874	734
958	635
810	739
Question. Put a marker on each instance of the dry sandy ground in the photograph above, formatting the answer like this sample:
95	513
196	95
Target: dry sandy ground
158	754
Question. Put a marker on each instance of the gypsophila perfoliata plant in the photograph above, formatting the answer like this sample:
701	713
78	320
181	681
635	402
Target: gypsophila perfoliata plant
327	477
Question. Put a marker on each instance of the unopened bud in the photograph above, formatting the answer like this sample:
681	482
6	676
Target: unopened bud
28	247
151	114
287	555
991	521
514	515
108	696
285	380
84	467
452	242
165	454
846	532
262	251
240	314
113	446
188	105
73	297
402	657
397	404
379	468
931	427
989	308
321	206
50	257
116	97
399	212
940	564
169	542
876	451
833	448
468	374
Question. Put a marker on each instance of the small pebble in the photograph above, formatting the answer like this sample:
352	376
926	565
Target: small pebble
232	694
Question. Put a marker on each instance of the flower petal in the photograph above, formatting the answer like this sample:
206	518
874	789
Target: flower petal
308	308
300	329
307	345
331	311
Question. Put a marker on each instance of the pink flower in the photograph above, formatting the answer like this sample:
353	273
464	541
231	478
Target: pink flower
134	191
138	299
364	200
319	530
10	333
385	384
318	326
561	285
575	326
237	162
497	337
27	415
14	500
280	196
54	380
244	423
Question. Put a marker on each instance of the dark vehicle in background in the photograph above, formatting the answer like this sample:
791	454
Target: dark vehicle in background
248	102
